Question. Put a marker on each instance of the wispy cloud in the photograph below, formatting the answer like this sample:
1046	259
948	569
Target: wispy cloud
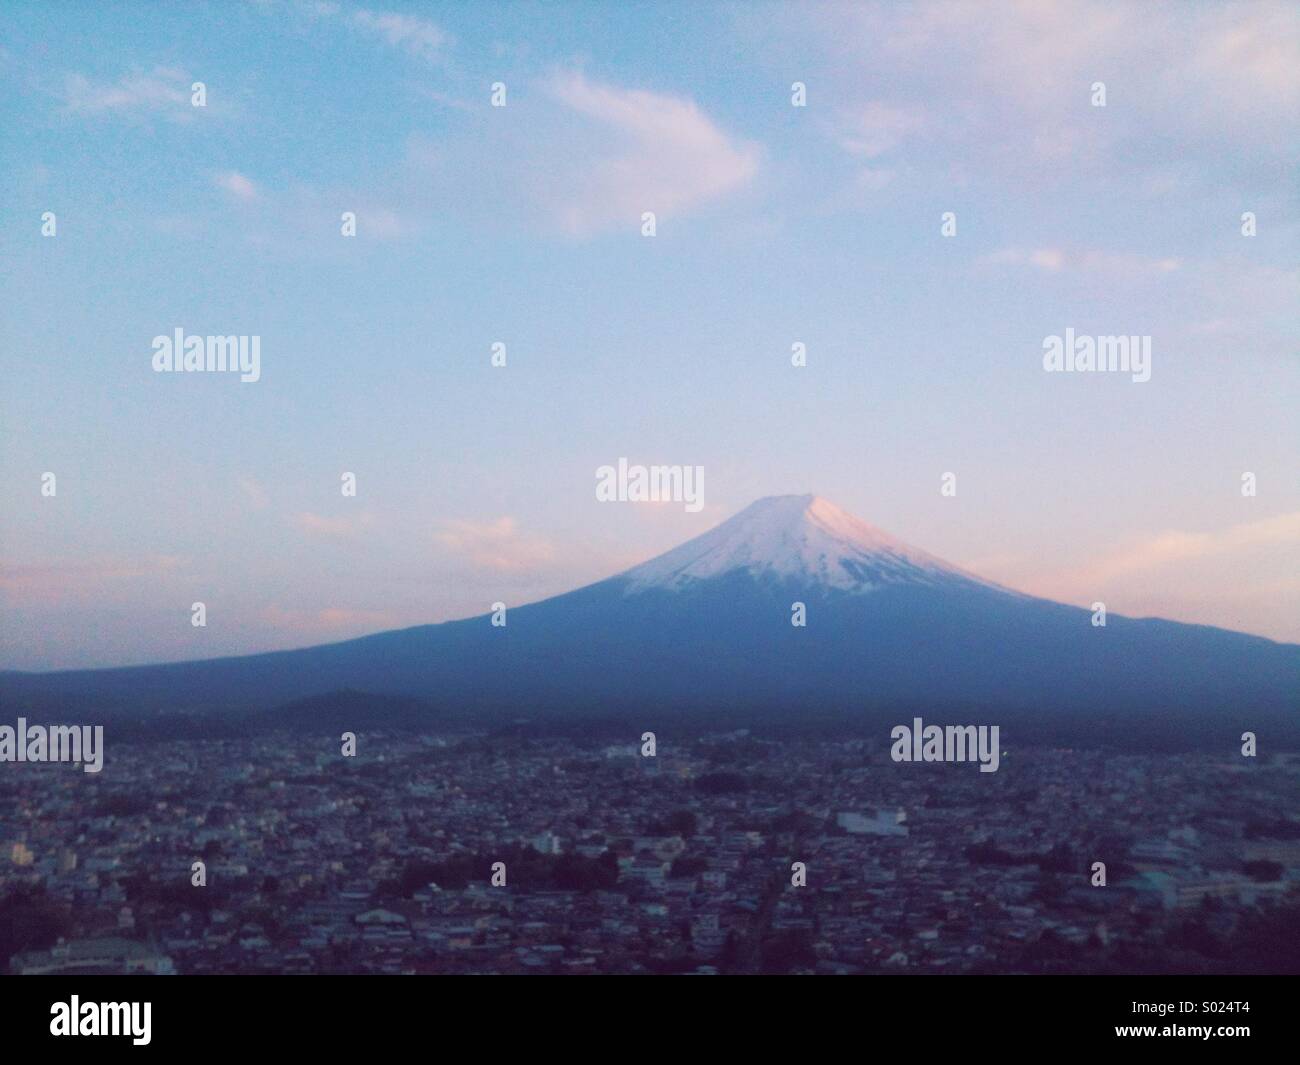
235	183
876	128
53	582
326	619
443	99
1178	546
342	526
1231	577
414	34
161	90
1055	260
669	156
1016	78
411	33
494	545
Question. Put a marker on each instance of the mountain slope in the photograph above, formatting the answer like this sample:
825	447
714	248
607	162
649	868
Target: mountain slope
705	628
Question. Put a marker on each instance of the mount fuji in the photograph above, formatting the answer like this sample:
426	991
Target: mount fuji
705	630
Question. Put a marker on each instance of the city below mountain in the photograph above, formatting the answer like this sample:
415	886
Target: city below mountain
706	631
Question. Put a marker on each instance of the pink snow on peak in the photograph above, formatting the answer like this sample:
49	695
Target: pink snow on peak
803	538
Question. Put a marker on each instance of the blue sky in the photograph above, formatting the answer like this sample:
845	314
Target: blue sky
522	224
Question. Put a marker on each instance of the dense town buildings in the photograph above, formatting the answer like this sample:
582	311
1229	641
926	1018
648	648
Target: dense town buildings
462	852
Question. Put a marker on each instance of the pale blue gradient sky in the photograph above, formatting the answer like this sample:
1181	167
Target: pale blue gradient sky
521	224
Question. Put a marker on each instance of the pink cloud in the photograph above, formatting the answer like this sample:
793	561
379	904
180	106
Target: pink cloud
327	619
55	582
1228	577
341	526
237	185
494	545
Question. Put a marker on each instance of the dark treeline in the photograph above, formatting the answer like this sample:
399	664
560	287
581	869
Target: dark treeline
1150	732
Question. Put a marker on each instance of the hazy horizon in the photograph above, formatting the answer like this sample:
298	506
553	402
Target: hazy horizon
637	567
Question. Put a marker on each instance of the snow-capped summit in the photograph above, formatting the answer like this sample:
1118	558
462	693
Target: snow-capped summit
805	539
